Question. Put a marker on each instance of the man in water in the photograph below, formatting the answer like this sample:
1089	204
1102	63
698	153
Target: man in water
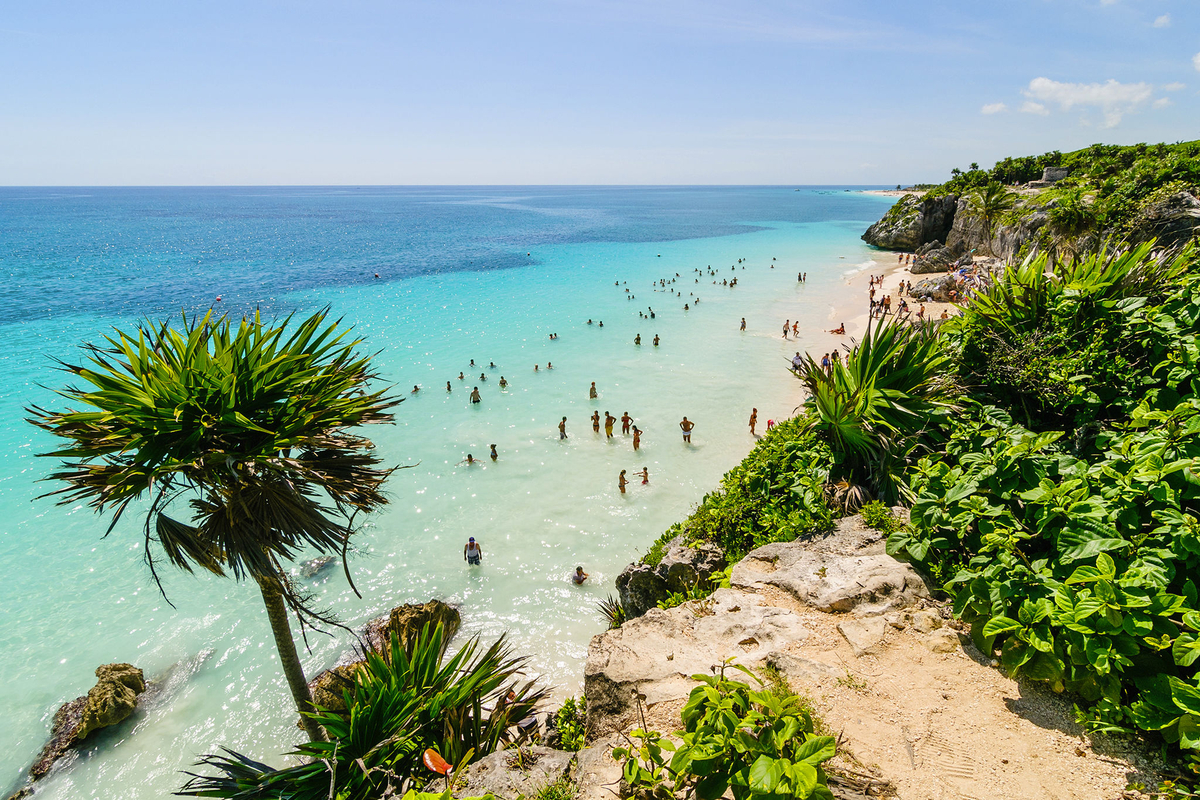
475	395
797	360
626	421
753	420
580	576
562	429
637	339
686	426
472	552
448	389
655	337
609	421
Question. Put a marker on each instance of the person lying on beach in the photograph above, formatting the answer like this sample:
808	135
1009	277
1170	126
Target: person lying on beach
840	330
580	576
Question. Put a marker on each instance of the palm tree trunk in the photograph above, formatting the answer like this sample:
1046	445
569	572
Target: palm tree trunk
277	614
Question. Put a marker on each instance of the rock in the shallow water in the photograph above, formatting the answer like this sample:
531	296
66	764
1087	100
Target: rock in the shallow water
912	222
640	586
509	774
314	567
111	700
407	621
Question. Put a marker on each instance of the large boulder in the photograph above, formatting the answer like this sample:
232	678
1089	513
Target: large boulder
936	289
912	222
515	773
111	700
1172	221
683	566
407	620
939	259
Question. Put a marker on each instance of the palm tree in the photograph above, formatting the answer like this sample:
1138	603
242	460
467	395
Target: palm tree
244	424
987	204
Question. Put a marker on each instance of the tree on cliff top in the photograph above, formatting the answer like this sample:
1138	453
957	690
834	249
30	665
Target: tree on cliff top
247	425
988	203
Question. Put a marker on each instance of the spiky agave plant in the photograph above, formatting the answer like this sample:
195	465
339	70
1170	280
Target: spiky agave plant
240	428
872	409
403	699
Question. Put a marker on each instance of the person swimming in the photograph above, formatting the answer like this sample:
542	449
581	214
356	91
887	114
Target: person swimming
503	383
469	460
461	377
580	576
416	389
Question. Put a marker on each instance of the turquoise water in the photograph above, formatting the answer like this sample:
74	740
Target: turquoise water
464	273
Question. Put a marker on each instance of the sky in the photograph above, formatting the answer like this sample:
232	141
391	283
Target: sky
580	91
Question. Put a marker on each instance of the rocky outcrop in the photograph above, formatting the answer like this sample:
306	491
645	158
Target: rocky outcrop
844	572
406	621
640	586
317	566
111	700
934	257
515	773
936	289
1172	221
912	222
1023	227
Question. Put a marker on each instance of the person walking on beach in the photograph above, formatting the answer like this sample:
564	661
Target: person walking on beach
686	426
753	420
637	438
472	552
796	329
562	429
626	421
787	323
609	421
592	391
621	481
475	395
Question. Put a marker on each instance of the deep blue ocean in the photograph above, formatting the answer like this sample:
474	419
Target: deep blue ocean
463	273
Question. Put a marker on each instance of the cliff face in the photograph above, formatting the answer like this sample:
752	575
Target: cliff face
912	222
967	232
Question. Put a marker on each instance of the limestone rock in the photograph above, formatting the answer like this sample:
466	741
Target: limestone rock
655	654
830	581
595	772
805	670
407	621
511	774
941	259
316	566
328	686
864	634
111	700
943	640
936	289
640	586
1172	221
912	222
926	621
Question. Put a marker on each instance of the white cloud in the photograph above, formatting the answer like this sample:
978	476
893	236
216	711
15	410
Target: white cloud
1163	22
994	108
1162	102
1196	61
1173	87
1030	107
1113	99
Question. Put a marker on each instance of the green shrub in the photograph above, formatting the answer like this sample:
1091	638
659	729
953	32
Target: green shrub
752	743
880	517
570	723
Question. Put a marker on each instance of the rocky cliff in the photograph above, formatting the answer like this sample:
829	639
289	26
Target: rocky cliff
912	222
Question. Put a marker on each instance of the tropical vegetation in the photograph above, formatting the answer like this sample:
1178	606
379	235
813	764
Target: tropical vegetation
236	437
404	701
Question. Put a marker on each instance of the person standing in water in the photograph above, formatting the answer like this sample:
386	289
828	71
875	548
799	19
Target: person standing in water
609	421
743	323
472	552
626	421
592	391
580	576
503	383
621	481
637	340
495	455
753	420
475	395
448	389
655	337
637	438
562	429
596	422
645	473
686	426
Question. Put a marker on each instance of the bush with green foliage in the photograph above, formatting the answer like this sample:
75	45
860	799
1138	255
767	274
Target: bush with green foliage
751	743
569	722
880	517
403	700
774	495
